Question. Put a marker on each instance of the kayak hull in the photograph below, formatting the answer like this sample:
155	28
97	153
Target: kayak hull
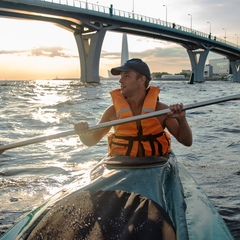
162	180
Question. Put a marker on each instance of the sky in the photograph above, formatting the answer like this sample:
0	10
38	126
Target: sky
32	50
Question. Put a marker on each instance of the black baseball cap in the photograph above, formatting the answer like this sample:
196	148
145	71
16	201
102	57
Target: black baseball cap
135	64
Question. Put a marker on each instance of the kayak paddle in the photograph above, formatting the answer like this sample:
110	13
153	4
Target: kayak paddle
116	122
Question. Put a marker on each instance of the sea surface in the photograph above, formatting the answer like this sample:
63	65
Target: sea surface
31	174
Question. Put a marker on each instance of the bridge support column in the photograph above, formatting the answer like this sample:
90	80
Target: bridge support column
198	60
235	66
89	49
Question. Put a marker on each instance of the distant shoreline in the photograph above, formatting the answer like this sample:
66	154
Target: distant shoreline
114	79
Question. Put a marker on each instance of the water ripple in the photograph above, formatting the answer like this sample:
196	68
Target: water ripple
30	174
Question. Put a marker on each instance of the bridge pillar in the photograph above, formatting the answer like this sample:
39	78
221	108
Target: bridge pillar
235	65
198	60
89	49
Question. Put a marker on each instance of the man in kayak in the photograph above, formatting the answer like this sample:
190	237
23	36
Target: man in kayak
146	137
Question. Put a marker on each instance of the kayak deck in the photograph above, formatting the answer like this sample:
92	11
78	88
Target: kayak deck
159	179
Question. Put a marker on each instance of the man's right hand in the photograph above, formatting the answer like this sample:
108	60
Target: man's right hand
81	128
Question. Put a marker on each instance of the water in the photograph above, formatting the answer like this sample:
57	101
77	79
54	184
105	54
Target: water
30	174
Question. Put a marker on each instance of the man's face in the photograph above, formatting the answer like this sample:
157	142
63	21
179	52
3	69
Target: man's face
129	83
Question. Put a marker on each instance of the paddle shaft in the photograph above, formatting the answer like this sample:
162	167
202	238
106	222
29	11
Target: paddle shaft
117	122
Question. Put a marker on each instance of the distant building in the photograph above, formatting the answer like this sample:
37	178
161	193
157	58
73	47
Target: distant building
170	76
208	71
220	66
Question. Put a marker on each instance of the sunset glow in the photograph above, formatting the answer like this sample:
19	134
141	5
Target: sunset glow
39	50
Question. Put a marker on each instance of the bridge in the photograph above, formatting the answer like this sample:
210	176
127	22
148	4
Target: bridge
89	23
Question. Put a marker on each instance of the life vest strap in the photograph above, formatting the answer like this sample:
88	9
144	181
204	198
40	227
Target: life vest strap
143	138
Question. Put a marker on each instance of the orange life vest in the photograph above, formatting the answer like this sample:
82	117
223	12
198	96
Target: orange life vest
127	137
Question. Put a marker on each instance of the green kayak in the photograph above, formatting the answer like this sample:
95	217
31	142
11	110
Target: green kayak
126	198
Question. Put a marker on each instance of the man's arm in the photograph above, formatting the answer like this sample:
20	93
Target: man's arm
177	124
90	138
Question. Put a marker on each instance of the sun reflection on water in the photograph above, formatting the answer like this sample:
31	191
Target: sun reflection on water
46	115
48	103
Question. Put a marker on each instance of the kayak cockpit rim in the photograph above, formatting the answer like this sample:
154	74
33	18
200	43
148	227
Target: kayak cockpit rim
135	162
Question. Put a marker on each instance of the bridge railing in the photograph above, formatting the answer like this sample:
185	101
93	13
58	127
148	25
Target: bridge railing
115	12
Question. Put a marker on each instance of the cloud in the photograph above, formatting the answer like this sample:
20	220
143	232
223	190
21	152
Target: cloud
51	52
171	59
2	52
42	52
159	52
110	55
